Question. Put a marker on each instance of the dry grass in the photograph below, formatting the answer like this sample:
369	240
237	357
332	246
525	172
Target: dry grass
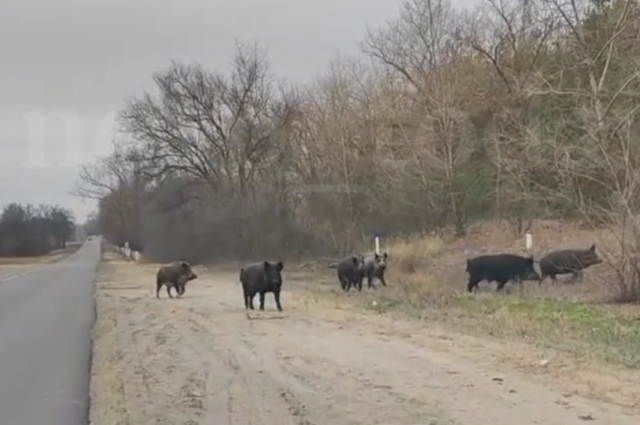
427	280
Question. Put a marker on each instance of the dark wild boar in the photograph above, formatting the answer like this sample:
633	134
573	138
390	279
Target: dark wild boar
374	268
174	275
260	278
350	272
566	261
500	268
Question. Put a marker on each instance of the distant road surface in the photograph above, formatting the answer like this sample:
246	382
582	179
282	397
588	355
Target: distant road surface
46	317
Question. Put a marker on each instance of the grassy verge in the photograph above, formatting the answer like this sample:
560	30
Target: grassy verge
427	282
584	330
587	331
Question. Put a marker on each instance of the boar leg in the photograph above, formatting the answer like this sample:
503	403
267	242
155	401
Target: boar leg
345	285
473	283
542	277
501	284
246	300
520	283
276	296
577	275
349	284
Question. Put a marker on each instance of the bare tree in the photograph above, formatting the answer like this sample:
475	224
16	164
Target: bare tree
521	109
592	88
213	127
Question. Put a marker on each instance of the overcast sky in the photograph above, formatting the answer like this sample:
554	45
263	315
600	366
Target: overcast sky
82	58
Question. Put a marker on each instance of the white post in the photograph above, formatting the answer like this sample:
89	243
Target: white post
377	245
528	240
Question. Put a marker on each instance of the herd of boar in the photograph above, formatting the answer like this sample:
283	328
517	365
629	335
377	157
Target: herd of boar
258	278
266	277
353	270
502	268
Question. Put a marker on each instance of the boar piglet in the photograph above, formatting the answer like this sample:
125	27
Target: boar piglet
500	268
566	261
260	278
174	275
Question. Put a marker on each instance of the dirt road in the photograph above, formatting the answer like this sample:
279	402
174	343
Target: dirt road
200	360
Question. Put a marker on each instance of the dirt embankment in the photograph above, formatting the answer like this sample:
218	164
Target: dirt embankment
201	360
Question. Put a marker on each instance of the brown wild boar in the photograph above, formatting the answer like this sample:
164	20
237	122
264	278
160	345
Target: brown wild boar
174	275
566	261
374	268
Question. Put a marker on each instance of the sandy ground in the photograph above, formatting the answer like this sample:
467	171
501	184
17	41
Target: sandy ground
202	360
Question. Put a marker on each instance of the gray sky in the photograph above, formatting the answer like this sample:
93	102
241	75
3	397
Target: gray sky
86	56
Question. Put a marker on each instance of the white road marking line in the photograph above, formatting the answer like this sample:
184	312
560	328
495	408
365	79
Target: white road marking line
8	278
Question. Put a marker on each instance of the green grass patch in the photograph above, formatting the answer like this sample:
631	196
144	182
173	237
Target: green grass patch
585	330
589	331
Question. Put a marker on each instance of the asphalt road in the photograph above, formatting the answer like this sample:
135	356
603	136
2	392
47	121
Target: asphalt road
46	318
11	272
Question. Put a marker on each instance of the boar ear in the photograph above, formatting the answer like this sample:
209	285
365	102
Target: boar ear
354	260
266	265
184	264
376	256
280	266
384	255
593	248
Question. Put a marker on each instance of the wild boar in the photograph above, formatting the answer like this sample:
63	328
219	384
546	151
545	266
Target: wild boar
260	278
500	268
374	267
174	275
566	261
350	272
